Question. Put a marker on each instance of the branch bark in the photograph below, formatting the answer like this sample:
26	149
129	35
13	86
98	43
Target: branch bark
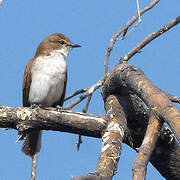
124	78
146	148
26	119
165	157
112	139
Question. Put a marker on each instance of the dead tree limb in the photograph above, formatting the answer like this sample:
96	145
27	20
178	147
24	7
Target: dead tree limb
128	77
149	38
89	92
146	148
27	119
75	94
173	98
165	157
112	139
124	29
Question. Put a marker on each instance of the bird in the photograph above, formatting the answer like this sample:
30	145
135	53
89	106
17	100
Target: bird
44	82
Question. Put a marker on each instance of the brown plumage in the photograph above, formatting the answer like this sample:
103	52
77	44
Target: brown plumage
60	45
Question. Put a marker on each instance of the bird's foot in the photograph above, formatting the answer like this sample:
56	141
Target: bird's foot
59	108
36	106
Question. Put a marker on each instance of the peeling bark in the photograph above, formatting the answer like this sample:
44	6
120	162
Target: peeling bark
165	157
112	138
28	119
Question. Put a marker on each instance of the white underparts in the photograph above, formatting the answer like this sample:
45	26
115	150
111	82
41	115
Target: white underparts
48	76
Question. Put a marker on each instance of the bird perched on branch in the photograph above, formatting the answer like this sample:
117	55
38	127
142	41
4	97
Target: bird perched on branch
44	83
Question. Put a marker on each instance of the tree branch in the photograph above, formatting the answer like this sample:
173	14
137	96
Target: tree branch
146	149
167	150
112	138
173	98
124	29
149	38
26	119
125	77
75	94
89	91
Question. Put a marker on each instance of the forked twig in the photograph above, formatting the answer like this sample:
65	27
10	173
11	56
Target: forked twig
149	38
124	29
89	91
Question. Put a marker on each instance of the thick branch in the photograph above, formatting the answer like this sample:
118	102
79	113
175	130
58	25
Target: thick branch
112	138
125	77
111	141
146	149
165	157
27	119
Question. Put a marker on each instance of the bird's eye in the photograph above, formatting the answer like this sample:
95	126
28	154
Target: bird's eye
62	42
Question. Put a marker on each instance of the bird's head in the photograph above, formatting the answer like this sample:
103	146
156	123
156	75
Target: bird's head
56	41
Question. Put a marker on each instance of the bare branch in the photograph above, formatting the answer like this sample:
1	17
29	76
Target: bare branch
84	111
173	98
149	38
87	104
165	155
34	165
26	119
112	138
123	29
75	94
90	91
126	77
146	149
111	141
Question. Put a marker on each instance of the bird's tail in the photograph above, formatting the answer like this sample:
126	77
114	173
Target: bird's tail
32	143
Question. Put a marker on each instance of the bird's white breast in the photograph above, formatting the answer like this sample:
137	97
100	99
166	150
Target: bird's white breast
48	76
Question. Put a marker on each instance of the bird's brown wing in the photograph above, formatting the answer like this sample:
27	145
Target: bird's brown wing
32	142
26	84
61	100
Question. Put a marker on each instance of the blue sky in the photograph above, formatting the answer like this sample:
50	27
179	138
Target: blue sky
24	24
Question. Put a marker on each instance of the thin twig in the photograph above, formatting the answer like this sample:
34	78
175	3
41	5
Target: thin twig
124	28
149	38
87	104
84	111
173	98
90	91
75	94
34	165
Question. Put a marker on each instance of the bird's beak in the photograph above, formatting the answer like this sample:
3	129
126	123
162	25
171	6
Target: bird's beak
75	45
